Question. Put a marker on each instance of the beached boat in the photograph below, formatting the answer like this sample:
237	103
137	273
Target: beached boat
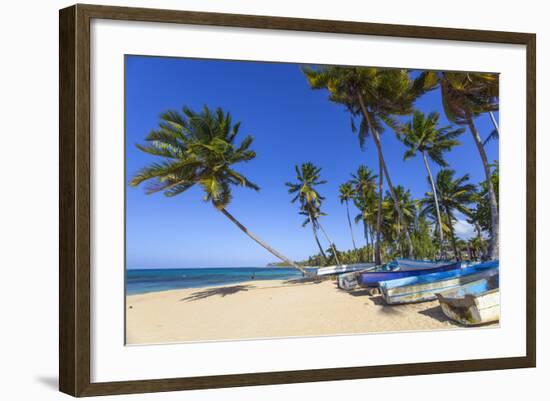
400	269
412	264
468	263
339	269
424	287
348	281
472	304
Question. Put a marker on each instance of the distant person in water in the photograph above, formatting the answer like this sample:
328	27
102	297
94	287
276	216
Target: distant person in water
253	276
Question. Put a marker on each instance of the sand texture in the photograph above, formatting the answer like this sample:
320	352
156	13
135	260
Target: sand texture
260	309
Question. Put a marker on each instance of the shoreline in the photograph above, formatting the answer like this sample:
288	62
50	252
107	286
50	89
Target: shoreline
270	309
135	289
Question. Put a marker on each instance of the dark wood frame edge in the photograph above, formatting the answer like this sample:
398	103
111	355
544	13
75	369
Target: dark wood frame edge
74	199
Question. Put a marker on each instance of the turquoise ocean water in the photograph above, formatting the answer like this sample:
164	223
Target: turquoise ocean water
139	281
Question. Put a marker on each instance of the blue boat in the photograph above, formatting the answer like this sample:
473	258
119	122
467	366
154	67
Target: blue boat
425	287
348	281
406	264
401	268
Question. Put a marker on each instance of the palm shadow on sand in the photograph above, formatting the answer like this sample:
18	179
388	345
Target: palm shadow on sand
221	291
385	308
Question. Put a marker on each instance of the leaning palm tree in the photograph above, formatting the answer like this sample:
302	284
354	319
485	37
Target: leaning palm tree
422	135
200	149
465	96
309	176
347	193
455	194
364	182
376	95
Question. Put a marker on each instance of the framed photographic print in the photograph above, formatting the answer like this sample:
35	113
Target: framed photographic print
250	200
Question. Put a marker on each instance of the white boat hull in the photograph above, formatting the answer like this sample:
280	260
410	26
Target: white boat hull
348	281
427	291
472	310
328	270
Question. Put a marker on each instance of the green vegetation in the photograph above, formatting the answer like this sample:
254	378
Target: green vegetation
364	185
404	226
454	195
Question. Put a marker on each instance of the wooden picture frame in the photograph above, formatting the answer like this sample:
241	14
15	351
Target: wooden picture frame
74	204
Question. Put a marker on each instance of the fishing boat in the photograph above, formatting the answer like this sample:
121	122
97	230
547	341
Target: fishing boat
348	281
339	269
425	286
412	264
401	269
472	304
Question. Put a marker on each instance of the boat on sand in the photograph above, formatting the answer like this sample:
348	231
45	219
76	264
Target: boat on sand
396	270
425	287
339	269
472	304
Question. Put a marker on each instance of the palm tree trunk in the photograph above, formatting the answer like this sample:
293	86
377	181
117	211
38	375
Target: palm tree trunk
494	244
350	227
378	144
480	239
436	204
494	122
323	255
366	233
263	244
377	250
371	231
453	239
398	246
330	242
370	243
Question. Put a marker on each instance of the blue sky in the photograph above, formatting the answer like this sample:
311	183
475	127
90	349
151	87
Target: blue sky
291	124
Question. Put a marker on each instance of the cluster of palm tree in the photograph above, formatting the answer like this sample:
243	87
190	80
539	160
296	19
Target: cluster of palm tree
432	233
201	149
377	97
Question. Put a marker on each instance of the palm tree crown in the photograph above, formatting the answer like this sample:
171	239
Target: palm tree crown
423	135
346	192
197	149
308	176
364	180
454	194
384	92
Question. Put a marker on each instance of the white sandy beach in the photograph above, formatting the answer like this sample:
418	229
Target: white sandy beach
274	308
